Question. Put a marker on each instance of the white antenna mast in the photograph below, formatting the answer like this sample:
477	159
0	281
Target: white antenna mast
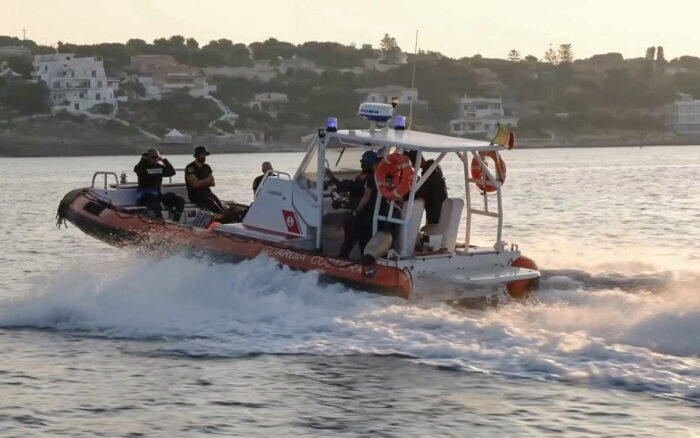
413	83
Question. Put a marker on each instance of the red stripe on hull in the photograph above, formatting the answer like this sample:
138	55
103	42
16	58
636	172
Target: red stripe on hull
119	228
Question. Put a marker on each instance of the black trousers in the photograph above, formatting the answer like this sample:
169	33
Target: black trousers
357	230
172	202
207	200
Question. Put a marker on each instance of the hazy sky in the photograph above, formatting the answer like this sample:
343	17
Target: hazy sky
454	27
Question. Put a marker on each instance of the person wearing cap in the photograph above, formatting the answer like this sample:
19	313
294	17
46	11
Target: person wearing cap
151	170
358	226
199	179
266	167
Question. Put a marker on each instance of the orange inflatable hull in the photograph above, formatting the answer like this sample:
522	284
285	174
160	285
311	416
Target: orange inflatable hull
117	227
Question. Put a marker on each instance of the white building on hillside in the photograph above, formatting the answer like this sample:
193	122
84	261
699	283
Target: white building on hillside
385	63
271	103
297	63
179	77
480	115
385	94
683	115
259	72
75	83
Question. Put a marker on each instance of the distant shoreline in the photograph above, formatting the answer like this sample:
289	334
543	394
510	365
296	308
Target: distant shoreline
41	152
54	137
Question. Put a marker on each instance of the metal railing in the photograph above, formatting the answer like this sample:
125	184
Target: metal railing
105	175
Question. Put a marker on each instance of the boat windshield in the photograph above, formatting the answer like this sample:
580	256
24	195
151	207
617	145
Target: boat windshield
306	175
344	160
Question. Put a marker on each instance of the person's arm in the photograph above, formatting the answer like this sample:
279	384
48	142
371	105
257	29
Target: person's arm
195	182
366	196
140	171
168	169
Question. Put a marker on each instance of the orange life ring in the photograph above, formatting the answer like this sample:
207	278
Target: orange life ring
397	167
486	184
522	288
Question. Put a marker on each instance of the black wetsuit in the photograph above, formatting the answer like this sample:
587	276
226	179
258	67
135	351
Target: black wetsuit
433	192
202	197
358	228
150	178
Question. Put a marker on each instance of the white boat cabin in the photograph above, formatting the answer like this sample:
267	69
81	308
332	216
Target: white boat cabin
303	211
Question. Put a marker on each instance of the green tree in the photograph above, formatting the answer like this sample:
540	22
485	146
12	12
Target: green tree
192	44
565	54
388	45
660	59
28	98
651	53
514	55
136	45
177	41
272	48
551	56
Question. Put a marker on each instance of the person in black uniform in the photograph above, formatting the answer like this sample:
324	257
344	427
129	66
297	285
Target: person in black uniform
150	173
433	191
363	196
199	179
266	166
354	188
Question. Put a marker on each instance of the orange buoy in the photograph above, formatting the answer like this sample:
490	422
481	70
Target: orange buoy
486	185
521	288
397	167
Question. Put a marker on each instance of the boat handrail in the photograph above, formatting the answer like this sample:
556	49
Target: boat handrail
268	174
105	174
170	178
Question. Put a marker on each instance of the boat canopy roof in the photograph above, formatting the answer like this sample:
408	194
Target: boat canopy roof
412	140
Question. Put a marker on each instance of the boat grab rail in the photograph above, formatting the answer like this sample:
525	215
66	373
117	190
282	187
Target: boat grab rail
170	178
105	174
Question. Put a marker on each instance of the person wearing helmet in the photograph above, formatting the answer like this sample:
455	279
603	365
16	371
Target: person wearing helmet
354	188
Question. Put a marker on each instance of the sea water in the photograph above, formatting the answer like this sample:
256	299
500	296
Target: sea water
96	341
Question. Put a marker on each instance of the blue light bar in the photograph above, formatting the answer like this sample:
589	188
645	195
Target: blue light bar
332	125
400	123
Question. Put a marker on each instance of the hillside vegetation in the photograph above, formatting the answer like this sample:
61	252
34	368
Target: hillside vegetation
601	94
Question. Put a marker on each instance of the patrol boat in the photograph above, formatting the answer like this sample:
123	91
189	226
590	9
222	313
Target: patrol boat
297	219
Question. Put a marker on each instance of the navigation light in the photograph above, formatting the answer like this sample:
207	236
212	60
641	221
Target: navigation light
332	125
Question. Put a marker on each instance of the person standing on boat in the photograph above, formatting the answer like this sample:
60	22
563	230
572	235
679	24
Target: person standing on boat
358	226
354	188
266	167
433	191
200	179
150	172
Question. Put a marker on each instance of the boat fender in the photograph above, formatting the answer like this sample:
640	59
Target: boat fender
519	289
398	168
213	225
64	205
378	245
486	185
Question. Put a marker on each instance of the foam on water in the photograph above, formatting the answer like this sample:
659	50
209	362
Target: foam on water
637	333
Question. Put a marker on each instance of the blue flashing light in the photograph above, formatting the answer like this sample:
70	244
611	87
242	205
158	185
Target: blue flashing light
400	123
332	125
